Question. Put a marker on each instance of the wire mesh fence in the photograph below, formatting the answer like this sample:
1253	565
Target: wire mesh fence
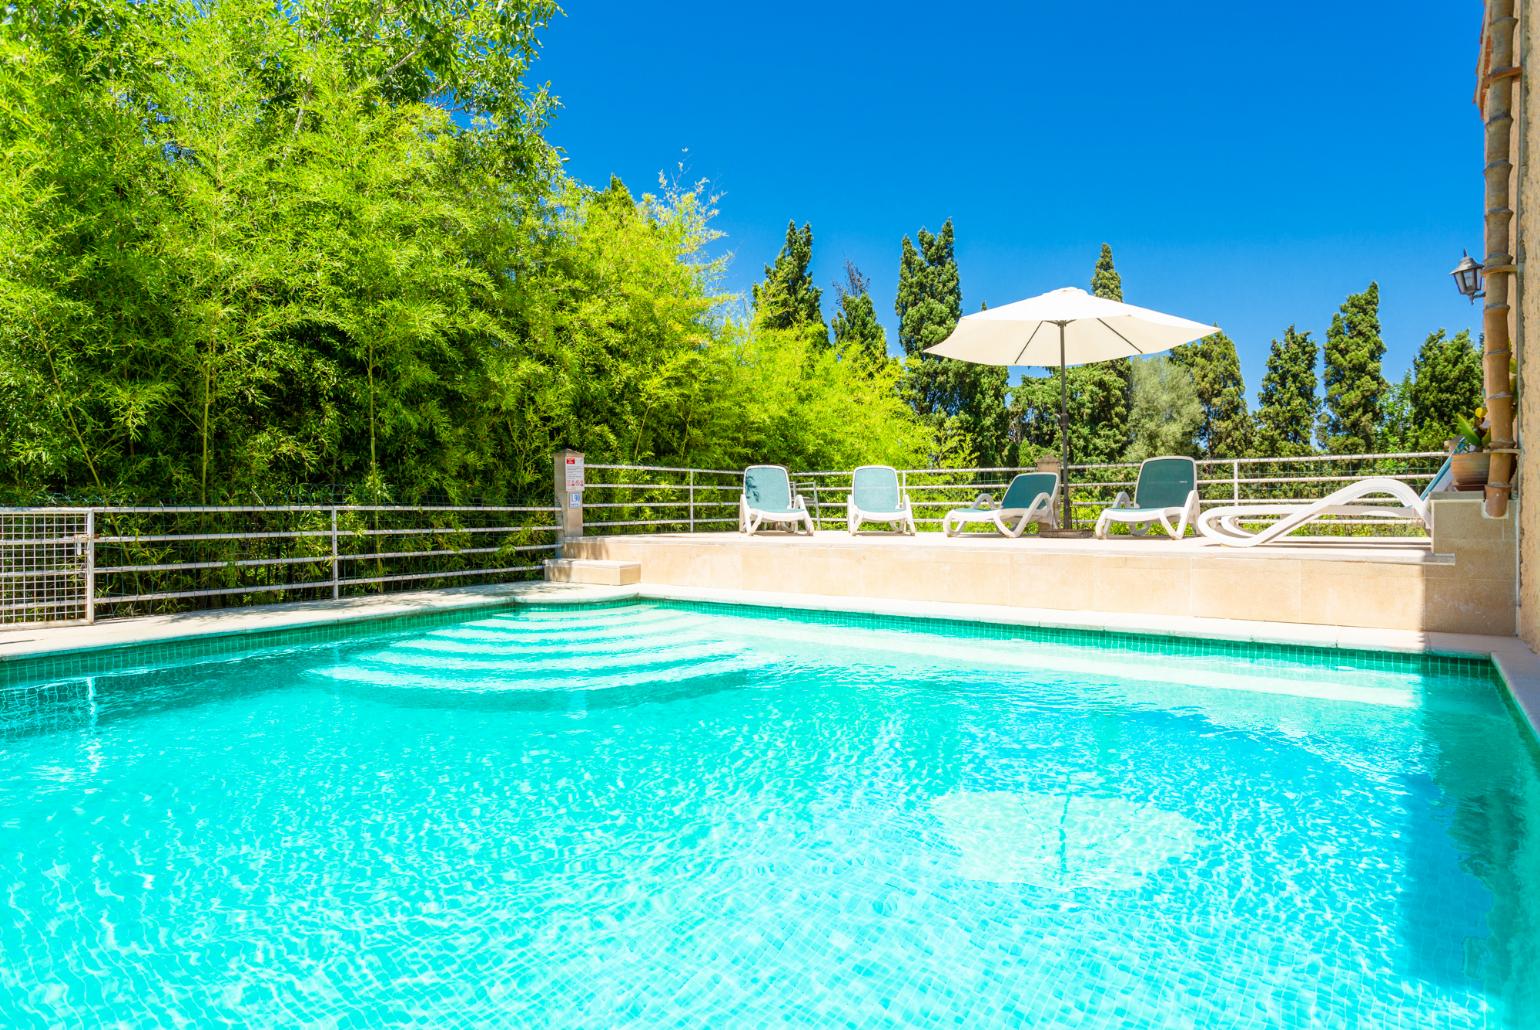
70	566
44	565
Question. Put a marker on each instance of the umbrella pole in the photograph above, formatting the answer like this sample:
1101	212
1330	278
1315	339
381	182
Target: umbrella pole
1064	522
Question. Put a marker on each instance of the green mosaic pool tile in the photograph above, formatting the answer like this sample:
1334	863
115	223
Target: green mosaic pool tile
105	661
1112	640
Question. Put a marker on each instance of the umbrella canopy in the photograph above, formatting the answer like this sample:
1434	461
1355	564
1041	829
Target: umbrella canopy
1062	328
1094	329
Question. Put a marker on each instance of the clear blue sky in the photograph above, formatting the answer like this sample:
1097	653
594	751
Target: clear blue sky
1251	164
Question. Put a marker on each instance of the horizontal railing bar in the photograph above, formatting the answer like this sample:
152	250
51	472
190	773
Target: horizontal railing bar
381	555
659	504
446	529
410	577
666	468
171	595
660	486
658	522
647	522
25	606
235	509
249	563
41	573
167	538
193	566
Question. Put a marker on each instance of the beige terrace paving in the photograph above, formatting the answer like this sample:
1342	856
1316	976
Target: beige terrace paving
1463	582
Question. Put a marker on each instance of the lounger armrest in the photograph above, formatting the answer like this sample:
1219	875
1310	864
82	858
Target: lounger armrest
984	501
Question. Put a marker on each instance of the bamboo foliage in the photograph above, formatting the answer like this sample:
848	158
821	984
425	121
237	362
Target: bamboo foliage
249	258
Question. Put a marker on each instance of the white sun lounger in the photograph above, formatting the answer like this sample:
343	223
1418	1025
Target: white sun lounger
1378	497
876	497
768	498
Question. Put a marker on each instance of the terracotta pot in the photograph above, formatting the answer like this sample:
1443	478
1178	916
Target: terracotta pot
1470	469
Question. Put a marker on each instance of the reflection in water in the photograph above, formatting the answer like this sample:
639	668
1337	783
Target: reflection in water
1062	841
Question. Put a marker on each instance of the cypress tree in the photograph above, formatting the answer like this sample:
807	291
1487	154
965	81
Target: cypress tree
1445	382
1099	393
1225	431
856	329
1354	383
787	299
963	398
1287	405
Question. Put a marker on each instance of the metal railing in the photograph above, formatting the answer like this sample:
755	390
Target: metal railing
641	498
73	564
61	565
647	498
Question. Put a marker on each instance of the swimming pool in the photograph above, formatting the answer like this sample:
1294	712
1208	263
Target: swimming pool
660	813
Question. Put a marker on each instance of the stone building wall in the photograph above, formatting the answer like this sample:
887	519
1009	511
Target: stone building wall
1526	324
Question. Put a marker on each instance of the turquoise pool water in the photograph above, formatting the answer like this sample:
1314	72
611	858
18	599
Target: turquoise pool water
661	814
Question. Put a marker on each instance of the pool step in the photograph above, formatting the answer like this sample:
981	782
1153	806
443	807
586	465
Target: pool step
595	571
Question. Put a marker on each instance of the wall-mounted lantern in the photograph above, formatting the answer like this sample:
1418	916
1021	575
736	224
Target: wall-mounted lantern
1467	278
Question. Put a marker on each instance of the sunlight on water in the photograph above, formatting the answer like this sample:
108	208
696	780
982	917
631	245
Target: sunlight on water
663	814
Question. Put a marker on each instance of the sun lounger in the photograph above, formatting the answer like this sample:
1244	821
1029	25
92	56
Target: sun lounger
768	498
1166	494
1028	499
875	497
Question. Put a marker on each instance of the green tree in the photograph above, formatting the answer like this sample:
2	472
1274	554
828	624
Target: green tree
1100	391
1398	426
787	299
1221	389
303	277
959	397
1165	413
1446	382
1287	404
1354	383
857	332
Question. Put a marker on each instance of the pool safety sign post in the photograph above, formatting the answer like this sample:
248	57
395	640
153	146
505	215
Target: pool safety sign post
569	492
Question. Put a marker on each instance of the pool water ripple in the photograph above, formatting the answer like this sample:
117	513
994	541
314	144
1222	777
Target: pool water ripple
673	815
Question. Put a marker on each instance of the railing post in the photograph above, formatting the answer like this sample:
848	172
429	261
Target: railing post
90	566
568	474
336	574
1235	481
692	500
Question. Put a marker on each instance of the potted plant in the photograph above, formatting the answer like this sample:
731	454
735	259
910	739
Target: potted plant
1469	459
